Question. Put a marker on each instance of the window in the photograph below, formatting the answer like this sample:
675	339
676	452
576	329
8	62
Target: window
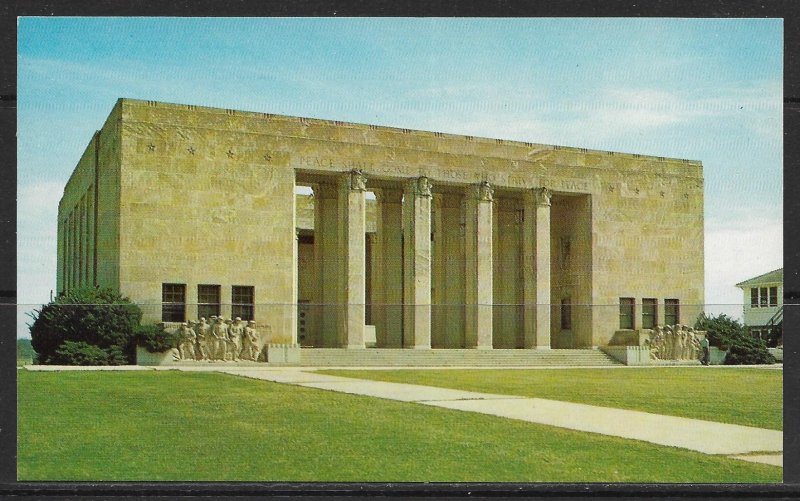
649	311
243	298
754	297
672	312
208	300
626	312
763	294
173	302
773	296
566	314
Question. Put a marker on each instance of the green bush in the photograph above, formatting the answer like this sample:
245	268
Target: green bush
728	334
79	353
721	330
98	317
155	339
747	350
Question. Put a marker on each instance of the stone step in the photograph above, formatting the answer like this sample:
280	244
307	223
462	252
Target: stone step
452	357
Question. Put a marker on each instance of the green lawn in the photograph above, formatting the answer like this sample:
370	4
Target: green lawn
751	397
169	425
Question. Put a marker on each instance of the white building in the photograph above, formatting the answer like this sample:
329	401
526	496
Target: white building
763	302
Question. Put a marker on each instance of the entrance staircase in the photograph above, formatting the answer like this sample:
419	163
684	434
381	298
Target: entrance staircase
396	357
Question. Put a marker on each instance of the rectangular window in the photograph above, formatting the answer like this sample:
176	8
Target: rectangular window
672	312
627	310
173	302
773	296
208	300
649	311
763	297
754	297
566	314
243	299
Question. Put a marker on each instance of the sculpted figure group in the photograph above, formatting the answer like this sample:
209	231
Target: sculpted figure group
674	342
219	340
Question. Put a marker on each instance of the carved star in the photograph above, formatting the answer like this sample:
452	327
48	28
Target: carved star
685	195
662	193
151	147
636	191
230	153
191	150
267	157
611	189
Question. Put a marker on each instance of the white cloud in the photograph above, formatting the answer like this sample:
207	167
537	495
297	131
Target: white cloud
37	212
737	249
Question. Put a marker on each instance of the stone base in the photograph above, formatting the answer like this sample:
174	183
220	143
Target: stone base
629	355
144	357
283	353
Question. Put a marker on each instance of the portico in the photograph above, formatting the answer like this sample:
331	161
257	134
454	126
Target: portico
434	252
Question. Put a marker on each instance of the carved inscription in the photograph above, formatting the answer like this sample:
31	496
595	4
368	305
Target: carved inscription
574	185
331	163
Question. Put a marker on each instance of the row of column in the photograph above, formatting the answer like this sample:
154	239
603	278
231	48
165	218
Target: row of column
77	232
340	244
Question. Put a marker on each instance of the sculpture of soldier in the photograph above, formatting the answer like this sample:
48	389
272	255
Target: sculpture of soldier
680	342
220	338
694	345
186	339
235	332
201	329
250	341
669	343
657	343
697	350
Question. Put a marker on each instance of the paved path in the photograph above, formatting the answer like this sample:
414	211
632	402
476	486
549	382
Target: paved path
694	434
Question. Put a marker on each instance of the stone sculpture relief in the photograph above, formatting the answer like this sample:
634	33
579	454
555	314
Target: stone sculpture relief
358	181
674	342
424	186
221	340
543	196
485	191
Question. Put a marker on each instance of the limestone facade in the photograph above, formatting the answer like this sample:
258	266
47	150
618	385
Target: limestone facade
436	240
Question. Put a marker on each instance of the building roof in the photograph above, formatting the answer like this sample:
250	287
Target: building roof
774	276
424	133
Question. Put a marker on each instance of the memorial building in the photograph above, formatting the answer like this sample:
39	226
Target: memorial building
331	234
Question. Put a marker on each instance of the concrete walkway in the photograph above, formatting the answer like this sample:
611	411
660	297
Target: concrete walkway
708	437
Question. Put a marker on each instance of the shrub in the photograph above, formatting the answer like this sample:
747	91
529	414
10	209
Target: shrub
79	353
93	316
721	330
747	350
155	339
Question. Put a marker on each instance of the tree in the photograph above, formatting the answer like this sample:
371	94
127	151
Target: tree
720	329
79	353
728	334
748	350
100	318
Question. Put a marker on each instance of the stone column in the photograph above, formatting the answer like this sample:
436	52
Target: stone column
438	313
417	264
352	219
390	232
479	297
536	270
376	270
75	238
326	248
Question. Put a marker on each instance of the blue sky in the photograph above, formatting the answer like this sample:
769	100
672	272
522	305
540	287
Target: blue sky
702	89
